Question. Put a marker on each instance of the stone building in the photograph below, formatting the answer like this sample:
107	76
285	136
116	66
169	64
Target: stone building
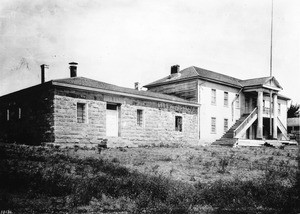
85	111
190	106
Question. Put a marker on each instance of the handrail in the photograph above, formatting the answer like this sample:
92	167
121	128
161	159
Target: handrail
281	124
284	129
243	124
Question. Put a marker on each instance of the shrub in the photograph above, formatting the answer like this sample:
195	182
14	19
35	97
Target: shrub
223	163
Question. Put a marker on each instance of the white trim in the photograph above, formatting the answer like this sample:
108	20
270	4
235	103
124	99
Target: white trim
124	94
271	87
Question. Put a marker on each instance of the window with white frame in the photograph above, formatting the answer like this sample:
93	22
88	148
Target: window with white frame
139	114
213	125
213	96
178	123
225	99
225	124
81	112
237	102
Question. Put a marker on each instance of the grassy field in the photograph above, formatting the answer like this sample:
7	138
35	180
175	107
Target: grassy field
149	180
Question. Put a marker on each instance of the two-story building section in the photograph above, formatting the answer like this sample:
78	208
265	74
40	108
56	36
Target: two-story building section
231	110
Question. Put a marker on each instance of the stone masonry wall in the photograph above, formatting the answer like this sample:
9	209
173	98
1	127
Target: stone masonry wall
66	128
30	116
158	120
158	126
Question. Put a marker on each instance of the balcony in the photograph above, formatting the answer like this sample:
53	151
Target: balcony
267	110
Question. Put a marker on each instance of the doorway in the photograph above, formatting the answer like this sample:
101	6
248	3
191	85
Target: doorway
112	120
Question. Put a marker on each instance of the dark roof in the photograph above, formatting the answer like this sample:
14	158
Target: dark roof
254	81
193	71
283	97
211	75
82	81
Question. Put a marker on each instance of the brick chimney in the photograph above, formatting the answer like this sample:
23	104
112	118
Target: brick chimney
137	86
43	67
73	69
175	69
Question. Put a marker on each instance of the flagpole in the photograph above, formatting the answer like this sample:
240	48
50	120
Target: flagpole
271	46
271	62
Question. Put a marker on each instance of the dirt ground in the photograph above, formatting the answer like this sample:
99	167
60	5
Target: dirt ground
204	164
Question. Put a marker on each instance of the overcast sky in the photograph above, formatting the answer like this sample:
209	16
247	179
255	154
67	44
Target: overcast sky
125	41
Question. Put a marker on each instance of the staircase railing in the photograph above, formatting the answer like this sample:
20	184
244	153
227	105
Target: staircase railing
245	122
283	128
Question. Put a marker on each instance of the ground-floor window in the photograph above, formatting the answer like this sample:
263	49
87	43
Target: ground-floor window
81	113
213	125
225	125
178	123
139	115
20	113
7	114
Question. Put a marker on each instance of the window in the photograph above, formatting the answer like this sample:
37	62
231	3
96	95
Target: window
226	99
7	114
81	113
213	97
139	117
279	108
20	113
178	123
225	125
213	125
237	102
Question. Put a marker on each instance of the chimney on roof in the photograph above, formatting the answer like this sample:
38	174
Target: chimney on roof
43	67
73	69
137	86
175	69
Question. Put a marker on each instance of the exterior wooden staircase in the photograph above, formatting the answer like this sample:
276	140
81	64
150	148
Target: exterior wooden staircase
282	129
228	138
237	130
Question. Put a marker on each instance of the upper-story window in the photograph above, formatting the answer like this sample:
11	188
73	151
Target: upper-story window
213	96
225	99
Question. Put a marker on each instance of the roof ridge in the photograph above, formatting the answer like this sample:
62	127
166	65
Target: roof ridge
236	80
117	88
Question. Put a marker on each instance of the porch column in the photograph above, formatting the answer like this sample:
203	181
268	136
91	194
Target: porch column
275	114
259	132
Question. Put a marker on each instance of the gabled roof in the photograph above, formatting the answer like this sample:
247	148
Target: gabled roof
94	84
195	72
254	81
263	81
